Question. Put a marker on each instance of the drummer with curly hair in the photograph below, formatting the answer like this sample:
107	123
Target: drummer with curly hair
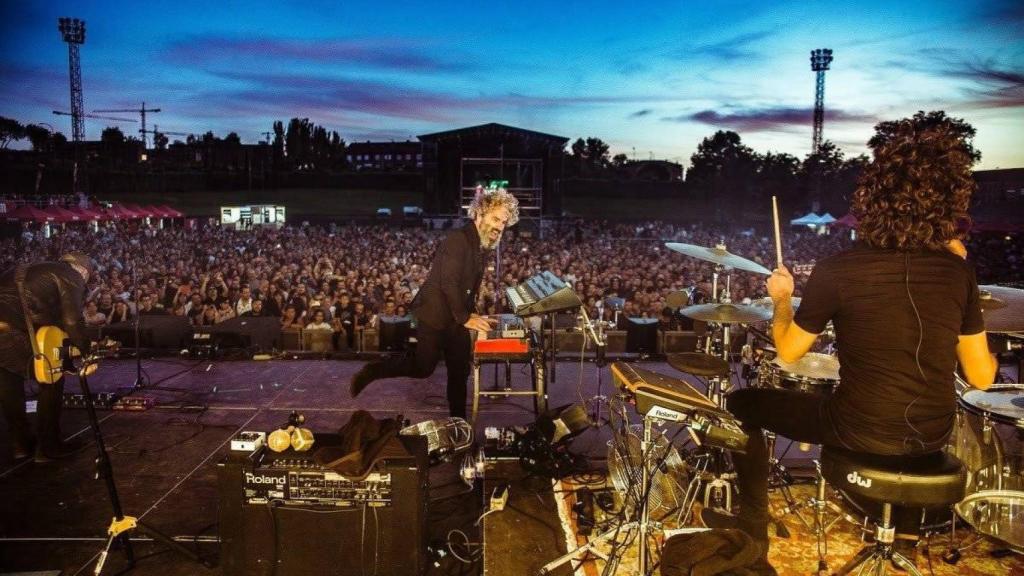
445	305
905	305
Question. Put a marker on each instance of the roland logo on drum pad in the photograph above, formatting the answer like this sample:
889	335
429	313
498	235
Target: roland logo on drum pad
663	413
855	478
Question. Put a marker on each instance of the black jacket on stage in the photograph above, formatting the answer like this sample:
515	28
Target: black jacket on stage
448	296
54	293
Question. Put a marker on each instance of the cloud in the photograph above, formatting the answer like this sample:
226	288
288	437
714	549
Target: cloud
380	53
312	94
767	119
994	87
642	113
739	47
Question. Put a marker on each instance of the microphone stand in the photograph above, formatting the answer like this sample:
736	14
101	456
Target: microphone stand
600	347
140	380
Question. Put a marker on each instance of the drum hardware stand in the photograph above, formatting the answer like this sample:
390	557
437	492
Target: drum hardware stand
643	526
121	525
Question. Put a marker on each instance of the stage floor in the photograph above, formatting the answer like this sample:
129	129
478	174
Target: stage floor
54	516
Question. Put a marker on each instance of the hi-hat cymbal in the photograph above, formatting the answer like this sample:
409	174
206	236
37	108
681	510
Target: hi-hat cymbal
727	313
1003	308
699	364
718	255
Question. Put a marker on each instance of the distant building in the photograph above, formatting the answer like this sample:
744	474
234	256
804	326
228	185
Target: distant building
654	170
385	156
458	160
996	186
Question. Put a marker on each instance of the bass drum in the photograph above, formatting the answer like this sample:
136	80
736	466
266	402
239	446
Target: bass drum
988	437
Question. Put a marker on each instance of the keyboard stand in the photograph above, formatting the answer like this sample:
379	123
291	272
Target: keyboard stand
532	356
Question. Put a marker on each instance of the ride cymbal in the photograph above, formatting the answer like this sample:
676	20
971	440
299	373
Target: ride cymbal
718	255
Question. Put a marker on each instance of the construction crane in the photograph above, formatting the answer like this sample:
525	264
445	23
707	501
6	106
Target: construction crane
156	130
142	112
95	116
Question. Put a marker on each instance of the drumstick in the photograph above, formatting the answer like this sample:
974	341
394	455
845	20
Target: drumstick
778	236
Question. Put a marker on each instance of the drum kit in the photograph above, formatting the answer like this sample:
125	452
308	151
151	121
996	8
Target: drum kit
988	434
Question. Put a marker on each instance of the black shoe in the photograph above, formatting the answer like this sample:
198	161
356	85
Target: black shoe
718	519
46	455
368	373
23	450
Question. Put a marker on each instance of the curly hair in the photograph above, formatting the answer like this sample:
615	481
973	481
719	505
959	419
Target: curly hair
487	199
915	194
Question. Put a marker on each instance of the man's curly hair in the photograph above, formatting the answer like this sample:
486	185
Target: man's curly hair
915	193
487	199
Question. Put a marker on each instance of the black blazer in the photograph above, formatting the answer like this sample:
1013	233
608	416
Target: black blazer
448	296
55	293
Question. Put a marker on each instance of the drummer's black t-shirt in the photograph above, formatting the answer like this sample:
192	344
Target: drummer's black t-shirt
896	393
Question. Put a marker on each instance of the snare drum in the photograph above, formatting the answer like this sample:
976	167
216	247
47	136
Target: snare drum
989	439
813	373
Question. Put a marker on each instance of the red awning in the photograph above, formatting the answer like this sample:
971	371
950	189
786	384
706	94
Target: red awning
123	211
155	211
61	214
850	221
29	212
87	214
142	211
171	212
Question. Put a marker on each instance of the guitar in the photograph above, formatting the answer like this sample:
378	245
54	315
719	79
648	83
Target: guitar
49	364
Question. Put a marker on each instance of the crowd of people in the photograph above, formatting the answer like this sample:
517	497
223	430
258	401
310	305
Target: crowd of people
345	277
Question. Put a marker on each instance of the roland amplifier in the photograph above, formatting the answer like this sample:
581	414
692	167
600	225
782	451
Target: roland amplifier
285	515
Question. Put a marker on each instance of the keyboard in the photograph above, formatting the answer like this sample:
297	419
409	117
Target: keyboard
542	294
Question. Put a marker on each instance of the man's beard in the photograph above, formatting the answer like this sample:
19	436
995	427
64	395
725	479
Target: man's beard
486	242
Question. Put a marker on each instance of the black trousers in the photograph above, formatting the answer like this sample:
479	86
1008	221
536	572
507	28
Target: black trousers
453	345
48	409
799	416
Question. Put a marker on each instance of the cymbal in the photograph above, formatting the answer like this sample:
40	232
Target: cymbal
727	313
677	299
698	364
767	302
718	255
1003	308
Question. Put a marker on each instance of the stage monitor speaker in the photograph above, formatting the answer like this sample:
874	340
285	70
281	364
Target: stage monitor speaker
247	332
394	332
278	536
642	335
155	331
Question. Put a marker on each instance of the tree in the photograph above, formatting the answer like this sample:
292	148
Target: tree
619	160
233	139
723	167
779	175
160	141
921	121
597	153
112	136
10	131
39	137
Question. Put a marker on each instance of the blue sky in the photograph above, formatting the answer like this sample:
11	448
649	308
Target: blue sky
650	78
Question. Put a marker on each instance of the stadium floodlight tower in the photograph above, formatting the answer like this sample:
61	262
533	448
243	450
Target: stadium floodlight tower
73	32
820	59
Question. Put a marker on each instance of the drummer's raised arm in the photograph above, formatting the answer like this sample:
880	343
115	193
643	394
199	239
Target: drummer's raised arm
977	363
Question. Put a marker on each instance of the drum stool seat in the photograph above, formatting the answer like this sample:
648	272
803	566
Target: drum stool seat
930	480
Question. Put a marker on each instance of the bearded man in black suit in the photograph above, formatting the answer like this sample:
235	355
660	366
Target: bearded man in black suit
445	306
